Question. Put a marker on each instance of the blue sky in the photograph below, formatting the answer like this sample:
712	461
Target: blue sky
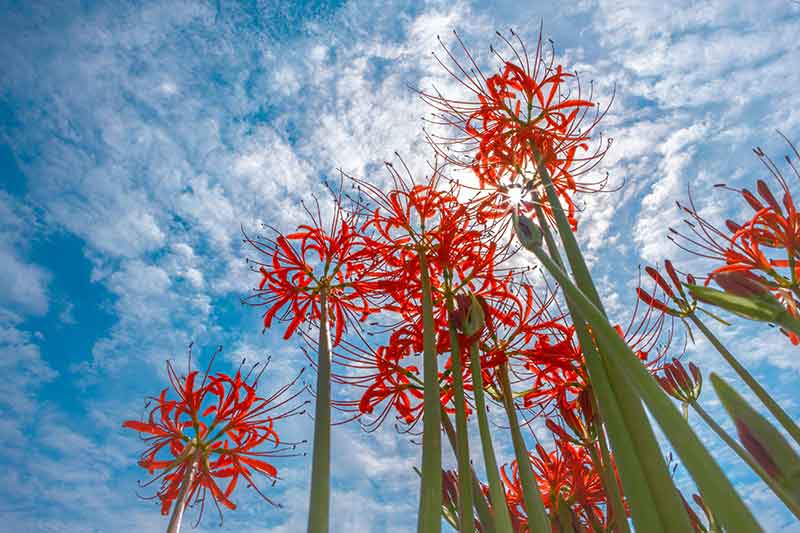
136	138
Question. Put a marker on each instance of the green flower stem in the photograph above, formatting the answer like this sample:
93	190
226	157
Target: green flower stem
430	496
537	516
656	473
465	519
319	502
175	520
779	491
780	415
669	505
478	499
496	492
619	518
709	477
630	456
626	421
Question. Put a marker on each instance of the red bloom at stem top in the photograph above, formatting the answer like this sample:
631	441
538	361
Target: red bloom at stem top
764	249
297	267
212	431
514	123
568	483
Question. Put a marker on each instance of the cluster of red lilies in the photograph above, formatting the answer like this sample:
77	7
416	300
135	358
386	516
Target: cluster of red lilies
432	311
216	431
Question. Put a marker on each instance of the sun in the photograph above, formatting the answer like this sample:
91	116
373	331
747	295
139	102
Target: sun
515	194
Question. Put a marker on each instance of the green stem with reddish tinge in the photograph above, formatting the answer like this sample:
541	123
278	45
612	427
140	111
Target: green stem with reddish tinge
496	492
182	500
668	504
478	498
465	519
430	497
610	410
319	502
537	516
776	410
708	476
790	503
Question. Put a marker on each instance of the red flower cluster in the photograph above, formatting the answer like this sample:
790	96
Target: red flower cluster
216	430
417	226
303	264
515	124
377	259
568	483
764	249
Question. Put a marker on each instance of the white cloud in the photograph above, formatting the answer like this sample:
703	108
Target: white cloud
23	285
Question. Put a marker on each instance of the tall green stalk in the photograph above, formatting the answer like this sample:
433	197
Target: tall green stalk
780	415
501	515
668	504
182	500
465	517
534	508
709	477
629	455
478	499
319	502
430	496
745	456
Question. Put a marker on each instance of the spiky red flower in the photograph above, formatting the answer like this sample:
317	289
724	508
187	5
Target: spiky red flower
416	225
206	436
566	476
552	368
399	384
299	266
512	122
764	248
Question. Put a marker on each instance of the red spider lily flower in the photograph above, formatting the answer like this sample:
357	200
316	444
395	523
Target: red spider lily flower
390	382
301	265
673	291
410	222
555	363
426	219
514	318
678	383
215	431
553	366
763	249
731	246
566	476
394	382
511	122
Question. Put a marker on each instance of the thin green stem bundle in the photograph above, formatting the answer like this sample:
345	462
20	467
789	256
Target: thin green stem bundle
319	502
430	498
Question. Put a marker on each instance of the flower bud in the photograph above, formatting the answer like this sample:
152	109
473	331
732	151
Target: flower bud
743	297
528	233
468	314
741	284
677	382
760	438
